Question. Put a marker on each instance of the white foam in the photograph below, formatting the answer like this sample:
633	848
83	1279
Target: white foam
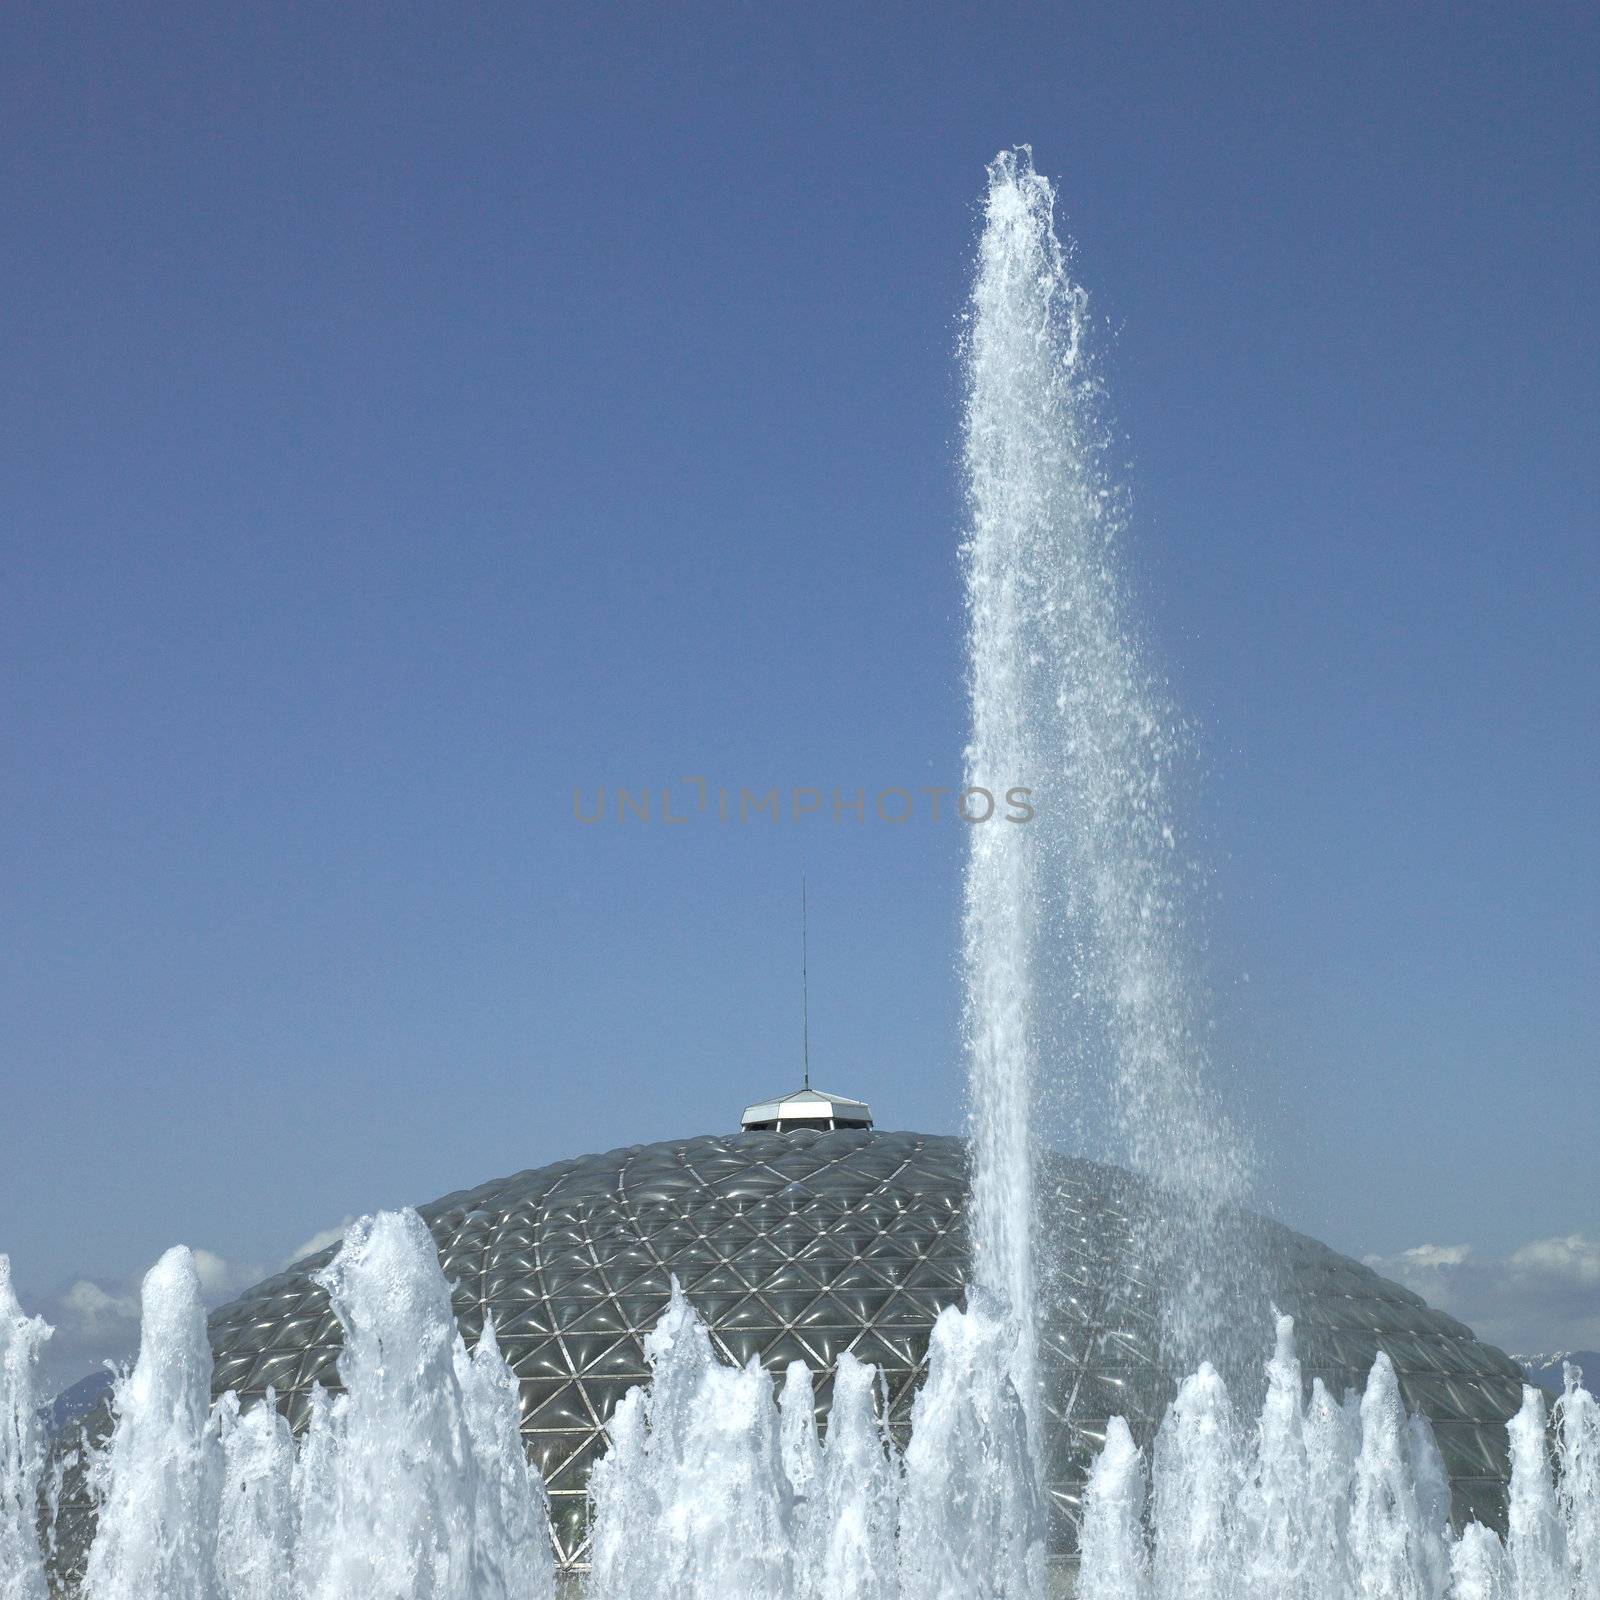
159	1479
1115	1564
1536	1541
972	1515
255	1524
1577	1416
693	1502
1332	1502
849	1550
22	1339
408	1487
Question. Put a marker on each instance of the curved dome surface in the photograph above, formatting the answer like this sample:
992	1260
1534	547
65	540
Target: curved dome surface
800	1245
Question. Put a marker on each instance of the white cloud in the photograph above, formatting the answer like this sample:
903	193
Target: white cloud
87	1306
1574	1258
318	1241
221	1279
1544	1295
1425	1257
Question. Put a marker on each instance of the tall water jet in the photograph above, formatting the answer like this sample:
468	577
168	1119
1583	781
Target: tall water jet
1332	1434
1433	1501
1113	1561
1388	1533
159	1481
972	1514
692	1502
21	1446
255	1523
622	1498
1196	1485
1274	1501
802	1451
1063	698
1478	1569
1577	1418
1536	1539
1022	331
849	1549
401	1496
512	1512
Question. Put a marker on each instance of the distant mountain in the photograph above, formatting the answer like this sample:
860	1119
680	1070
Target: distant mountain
1545	1371
77	1401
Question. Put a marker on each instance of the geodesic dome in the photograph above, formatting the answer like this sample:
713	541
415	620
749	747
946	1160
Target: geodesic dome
805	1243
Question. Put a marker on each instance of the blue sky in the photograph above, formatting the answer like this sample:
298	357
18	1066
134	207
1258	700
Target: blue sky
412	413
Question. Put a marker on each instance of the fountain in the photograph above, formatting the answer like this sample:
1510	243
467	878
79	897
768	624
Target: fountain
1337	1503
416	1483
1088	898
1578	1431
1478	1566
1275	1494
1111	1540
158	1482
1536	1541
413	1485
1194	1505
851	1520
21	1446
255	1524
412	1482
971	1520
693	1502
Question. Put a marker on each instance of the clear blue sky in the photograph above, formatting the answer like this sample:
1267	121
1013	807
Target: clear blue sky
410	413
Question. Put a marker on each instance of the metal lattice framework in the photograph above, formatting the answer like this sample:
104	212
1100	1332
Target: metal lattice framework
800	1245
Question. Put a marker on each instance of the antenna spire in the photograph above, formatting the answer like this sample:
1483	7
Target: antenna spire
805	986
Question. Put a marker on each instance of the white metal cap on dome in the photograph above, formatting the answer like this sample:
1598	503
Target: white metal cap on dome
806	1108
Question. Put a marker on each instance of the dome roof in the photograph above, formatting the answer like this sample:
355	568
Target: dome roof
806	1243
